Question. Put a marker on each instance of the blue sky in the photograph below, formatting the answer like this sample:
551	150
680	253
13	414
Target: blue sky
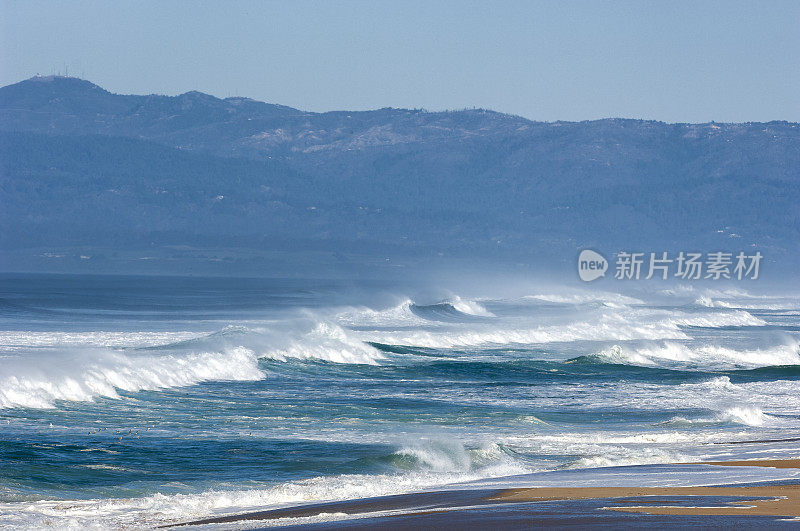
674	61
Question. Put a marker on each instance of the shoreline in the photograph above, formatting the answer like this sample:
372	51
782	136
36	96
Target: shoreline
515	507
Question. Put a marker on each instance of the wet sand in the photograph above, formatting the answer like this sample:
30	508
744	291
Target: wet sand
518	508
775	500
772	500
770	463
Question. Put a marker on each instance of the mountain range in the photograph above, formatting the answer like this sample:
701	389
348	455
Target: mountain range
96	181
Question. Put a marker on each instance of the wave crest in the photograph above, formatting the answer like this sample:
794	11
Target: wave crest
38	379
85	375
669	353
611	330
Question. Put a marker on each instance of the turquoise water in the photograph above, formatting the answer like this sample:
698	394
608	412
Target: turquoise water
141	401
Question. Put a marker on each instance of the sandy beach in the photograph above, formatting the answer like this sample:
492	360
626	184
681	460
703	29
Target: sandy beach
745	503
774	500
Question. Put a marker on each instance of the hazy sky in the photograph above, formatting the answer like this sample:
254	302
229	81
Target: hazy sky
674	61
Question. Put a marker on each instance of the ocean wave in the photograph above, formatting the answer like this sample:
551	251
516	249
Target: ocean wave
718	382
747	415
615	324
583	298
650	456
718	319
323	341
743	415
452	456
453	312
689	289
301	338
398	315
769	304
38	381
19	339
609	330
668	354
592	449
437	464
468	307
612	438
409	314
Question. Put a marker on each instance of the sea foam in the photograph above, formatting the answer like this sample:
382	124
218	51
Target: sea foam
37	378
437	463
83	375
711	356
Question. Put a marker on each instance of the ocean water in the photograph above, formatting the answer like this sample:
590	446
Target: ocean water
133	401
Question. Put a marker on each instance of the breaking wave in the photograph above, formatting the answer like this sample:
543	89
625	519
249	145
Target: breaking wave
669	354
399	315
37	380
85	375
313	341
610	330
747	415
742	415
613	300
15	340
451	311
408	314
719	320
428	465
708	302
470	307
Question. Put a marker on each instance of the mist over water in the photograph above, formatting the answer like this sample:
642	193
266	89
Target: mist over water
157	400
